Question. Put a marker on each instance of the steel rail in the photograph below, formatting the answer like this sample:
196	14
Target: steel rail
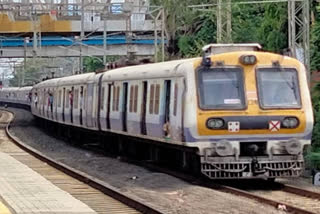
186	177
300	192
107	189
235	191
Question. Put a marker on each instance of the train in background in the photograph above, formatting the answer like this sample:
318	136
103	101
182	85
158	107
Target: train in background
19	97
237	112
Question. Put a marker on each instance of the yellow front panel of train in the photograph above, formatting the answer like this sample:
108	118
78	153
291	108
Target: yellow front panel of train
269	120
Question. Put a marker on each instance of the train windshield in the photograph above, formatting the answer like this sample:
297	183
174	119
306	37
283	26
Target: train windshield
278	88
221	88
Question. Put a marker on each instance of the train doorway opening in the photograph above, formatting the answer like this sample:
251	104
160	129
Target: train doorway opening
124	106
144	108
71	104
166	121
81	104
63	103
108	106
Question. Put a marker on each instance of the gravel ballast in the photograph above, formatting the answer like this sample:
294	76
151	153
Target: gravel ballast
164	192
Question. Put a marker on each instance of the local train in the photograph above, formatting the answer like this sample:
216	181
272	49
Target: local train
244	113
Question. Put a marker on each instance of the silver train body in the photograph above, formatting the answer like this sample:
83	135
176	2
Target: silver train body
162	102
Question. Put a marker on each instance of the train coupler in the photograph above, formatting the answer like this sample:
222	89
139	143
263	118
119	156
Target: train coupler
255	167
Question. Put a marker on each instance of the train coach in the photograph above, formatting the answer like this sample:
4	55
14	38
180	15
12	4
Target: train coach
237	111
17	97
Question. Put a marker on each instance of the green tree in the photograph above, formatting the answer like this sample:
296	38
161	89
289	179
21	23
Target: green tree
261	23
315	41
314	156
32	74
201	33
92	64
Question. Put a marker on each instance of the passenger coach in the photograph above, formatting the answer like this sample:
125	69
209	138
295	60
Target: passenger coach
238	111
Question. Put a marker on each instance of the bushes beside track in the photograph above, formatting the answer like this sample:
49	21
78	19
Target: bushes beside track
313	154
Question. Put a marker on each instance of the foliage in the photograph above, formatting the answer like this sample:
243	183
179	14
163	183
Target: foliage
314	156
265	24
188	29
313	159
32	74
91	64
184	23
203	33
315	44
245	23
273	30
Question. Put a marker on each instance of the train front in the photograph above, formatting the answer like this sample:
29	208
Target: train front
254	115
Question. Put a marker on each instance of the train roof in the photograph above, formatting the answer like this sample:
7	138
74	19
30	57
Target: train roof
76	79
70	80
153	70
150	71
27	88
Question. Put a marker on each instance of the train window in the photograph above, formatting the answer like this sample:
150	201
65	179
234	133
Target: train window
157	99
67	99
221	88
75	98
118	98
102	99
43	98
114	103
175	99
278	88
151	99
85	99
116	95
114	98
135	99
154	104
131	98
59	102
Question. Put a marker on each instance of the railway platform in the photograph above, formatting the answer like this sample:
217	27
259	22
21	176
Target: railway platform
23	190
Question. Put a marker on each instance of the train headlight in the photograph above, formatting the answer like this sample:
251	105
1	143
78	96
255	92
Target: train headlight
293	147
215	123
224	148
290	122
248	59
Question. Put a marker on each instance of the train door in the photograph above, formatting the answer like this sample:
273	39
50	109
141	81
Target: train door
81	105
71	94
89	104
43	101
100	100
108	106
124	106
63	103
56	101
144	108
177	109
166	105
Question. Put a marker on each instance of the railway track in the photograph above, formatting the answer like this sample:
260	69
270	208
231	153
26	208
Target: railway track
292	199
98	195
283	197
288	198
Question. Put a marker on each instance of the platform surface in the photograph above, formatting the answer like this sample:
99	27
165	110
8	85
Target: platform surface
26	191
4	209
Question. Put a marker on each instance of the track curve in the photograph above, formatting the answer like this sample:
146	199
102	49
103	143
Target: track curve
83	177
